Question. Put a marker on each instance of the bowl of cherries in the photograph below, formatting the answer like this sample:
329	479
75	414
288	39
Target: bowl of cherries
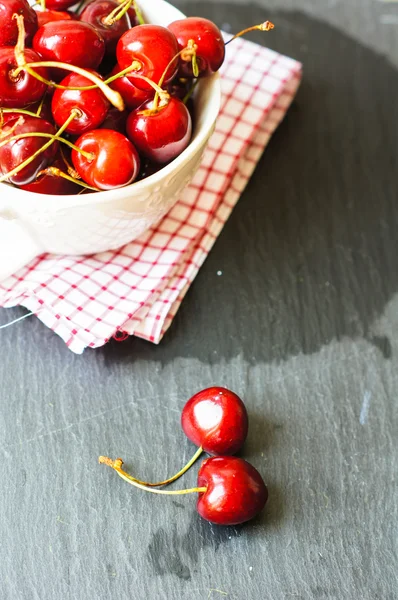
105	112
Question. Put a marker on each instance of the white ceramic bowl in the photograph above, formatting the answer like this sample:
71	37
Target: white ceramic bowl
31	224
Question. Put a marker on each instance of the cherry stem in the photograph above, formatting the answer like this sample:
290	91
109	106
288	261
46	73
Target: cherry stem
71	171
140	18
89	155
113	96
175	477
11	130
58	173
58	86
21	136
19	50
25	163
39	109
266	26
79	6
190	91
135	66
156	87
117	13
190	51
161	94
117	464
20	110
188	54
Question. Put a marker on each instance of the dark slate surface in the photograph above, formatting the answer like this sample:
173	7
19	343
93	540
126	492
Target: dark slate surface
303	322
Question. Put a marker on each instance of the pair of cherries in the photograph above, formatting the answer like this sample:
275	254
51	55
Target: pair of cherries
119	129
231	491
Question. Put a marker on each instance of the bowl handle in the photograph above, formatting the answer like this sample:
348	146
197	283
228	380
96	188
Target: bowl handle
17	248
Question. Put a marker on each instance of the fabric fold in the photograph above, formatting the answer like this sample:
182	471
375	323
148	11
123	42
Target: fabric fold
139	288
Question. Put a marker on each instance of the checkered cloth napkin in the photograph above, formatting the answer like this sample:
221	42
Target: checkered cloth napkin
139	288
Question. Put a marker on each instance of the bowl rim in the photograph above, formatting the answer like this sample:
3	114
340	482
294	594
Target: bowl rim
145	185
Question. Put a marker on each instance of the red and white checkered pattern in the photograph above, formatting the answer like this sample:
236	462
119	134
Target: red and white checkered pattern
139	288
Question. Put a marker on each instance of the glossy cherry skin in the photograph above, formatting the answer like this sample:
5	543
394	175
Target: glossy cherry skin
154	47
16	152
53	184
116	162
8	25
116	120
161	136
45	109
48	15
72	42
131	94
208	38
92	104
96	12
9	116
235	492
179	88
215	419
24	89
59	4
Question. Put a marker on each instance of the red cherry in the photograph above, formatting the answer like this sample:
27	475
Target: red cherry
206	35
8	27
131	94
163	134
215	419
8	116
96	12
115	119
16	152
23	89
154	47
92	104
72	42
48	15
59	4
45	108
235	491
115	161
179	88
49	183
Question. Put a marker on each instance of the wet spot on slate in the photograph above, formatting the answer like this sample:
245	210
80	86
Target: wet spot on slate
309	253
170	552
164	554
383	344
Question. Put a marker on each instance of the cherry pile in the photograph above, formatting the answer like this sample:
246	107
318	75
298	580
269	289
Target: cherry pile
231	490
96	99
